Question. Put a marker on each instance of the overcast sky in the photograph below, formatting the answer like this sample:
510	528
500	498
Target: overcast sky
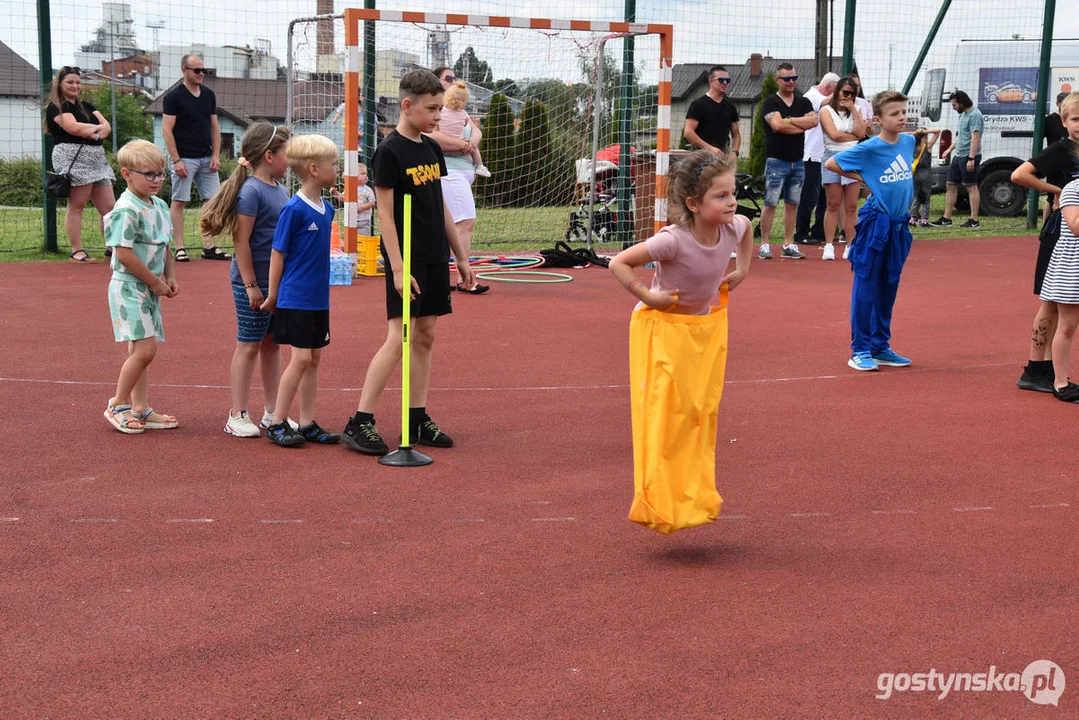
704	31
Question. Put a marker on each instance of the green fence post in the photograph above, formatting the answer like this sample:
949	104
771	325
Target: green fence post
626	232
926	45
370	110
48	202
848	38
1039	108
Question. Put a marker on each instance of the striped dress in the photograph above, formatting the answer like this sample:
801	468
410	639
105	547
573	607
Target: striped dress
1062	277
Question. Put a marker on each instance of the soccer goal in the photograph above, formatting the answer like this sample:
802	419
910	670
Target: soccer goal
577	149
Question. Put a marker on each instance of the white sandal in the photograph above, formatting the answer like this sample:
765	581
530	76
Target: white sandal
121	418
170	421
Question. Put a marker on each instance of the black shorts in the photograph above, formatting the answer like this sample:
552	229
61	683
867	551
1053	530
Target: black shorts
1047	241
958	174
434	295
309	329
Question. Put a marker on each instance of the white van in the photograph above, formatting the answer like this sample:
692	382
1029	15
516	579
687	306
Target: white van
1001	77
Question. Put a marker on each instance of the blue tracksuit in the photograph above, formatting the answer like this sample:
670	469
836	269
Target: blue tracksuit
882	238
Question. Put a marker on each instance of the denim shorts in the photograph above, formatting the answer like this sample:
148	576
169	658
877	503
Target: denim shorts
827	177
783	178
199	173
251	325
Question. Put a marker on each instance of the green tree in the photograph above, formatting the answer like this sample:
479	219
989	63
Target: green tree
757	150
532	171
497	148
471	69
132	122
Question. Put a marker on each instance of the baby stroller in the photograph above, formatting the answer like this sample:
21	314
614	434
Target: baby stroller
603	202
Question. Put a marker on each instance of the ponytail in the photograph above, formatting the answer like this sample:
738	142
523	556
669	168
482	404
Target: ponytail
219	215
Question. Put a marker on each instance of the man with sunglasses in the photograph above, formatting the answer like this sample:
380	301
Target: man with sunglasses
712	119
787	116
193	139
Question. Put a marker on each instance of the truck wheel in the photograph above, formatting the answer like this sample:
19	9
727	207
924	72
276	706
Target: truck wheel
1000	196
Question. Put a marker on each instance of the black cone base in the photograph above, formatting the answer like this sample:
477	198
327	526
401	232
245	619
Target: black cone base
405	457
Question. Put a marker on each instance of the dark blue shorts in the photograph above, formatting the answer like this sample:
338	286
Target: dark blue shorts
958	173
251	325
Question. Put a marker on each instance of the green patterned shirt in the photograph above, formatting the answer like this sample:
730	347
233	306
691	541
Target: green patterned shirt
144	227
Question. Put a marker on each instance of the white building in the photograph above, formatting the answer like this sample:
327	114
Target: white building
115	38
229	61
20	107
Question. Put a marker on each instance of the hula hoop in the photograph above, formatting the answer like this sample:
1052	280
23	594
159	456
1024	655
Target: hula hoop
495	264
501	276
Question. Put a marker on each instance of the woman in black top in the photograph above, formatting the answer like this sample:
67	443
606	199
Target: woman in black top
78	129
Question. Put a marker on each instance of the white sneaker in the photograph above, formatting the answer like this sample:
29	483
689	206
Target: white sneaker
846	251
241	425
829	252
267	421
482	171
734	256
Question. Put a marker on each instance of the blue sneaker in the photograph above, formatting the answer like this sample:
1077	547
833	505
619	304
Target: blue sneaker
891	358
862	361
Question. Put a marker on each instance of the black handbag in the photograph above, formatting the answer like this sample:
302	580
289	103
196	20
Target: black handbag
59	184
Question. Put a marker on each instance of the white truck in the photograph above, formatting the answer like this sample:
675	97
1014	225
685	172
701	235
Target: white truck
1001	77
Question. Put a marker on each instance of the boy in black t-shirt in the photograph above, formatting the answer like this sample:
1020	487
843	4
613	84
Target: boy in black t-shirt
408	162
1059	165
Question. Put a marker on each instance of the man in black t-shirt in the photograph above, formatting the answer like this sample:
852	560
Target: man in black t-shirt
712	119
1054	126
1058	164
408	162
193	139
786	115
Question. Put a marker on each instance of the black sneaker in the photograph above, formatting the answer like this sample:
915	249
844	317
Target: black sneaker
282	434
314	433
364	438
429	434
1037	383
941	222
971	224
1068	393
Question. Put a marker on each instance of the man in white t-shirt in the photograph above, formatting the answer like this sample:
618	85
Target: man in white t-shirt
812	197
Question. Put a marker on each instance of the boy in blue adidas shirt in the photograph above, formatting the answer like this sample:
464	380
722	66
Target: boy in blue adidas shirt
299	292
882	240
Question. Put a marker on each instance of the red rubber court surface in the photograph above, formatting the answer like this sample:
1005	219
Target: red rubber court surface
895	522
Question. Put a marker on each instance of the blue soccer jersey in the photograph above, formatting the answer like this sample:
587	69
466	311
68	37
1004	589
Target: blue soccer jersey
303	235
886	169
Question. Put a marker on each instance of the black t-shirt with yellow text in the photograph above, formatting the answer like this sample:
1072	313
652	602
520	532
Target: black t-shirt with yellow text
415	168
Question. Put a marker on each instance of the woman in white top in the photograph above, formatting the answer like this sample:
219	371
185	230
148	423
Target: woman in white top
843	127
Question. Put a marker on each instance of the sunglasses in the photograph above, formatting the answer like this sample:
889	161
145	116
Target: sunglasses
151	176
197	71
847	93
449	78
725	81
70	70
789	78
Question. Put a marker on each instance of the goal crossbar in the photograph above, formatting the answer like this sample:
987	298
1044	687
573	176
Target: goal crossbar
353	68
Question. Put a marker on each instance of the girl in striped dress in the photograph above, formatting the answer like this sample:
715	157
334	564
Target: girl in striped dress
1061	286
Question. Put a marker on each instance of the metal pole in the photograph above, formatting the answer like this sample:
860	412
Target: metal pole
917	66
48	202
626	231
370	109
848	38
1039	108
289	77
112	82
596	118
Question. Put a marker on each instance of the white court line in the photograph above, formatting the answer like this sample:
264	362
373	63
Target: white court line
721	516
190	520
1050	505
104	521
972	509
520	388
810	514
554	519
465	521
281	522
892	512
11	519
371	521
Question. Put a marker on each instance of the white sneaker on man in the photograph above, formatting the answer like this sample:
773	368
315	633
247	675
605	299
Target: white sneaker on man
241	426
267	421
482	171
829	252
846	251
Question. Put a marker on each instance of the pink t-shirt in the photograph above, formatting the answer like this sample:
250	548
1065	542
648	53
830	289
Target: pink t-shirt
695	271
452	122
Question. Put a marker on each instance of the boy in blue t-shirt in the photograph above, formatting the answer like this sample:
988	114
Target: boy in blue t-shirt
882	240
299	292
